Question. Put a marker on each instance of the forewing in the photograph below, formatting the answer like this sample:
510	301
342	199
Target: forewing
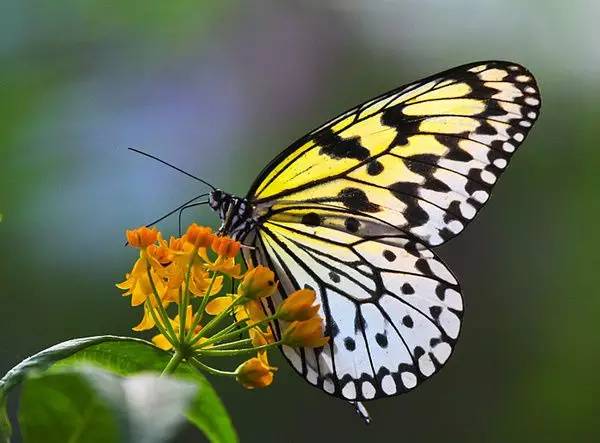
422	158
391	307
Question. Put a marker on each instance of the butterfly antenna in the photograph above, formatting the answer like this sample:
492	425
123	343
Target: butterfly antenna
173	167
176	209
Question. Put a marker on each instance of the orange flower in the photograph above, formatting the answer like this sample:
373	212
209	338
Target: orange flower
298	306
137	283
258	282
199	236
225	247
200	281
305	334
219	304
141	237
254	373
161	252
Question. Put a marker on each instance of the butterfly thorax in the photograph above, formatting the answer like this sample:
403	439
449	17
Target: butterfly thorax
236	214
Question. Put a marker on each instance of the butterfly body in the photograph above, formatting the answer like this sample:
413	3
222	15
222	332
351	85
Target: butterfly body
353	209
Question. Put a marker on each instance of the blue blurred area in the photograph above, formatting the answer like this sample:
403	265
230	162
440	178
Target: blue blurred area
219	88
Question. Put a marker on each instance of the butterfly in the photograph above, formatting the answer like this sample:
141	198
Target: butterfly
354	208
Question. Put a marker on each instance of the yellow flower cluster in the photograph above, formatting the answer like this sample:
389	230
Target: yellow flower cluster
181	285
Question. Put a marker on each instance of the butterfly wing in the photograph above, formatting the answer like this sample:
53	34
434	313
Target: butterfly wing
391	307
352	209
422	158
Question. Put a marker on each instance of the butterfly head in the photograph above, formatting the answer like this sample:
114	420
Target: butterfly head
236	213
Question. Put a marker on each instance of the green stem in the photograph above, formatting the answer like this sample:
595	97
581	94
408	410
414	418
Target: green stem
242	342
215	321
200	311
234	352
222	337
159	325
186	296
160	308
173	363
199	365
181	311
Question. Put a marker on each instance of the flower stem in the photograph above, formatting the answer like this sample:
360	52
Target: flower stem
159	325
173	363
199	365
160	308
222	337
186	297
234	352
242	342
215	321
200	311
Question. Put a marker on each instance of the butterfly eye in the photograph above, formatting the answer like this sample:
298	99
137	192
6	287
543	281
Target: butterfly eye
215	199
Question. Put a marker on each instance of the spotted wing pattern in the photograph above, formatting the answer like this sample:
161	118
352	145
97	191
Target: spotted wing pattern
392	309
352	209
422	158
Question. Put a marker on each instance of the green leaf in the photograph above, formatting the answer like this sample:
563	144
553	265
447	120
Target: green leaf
125	356
88	404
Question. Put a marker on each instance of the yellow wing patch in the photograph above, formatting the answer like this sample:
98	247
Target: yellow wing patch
422	158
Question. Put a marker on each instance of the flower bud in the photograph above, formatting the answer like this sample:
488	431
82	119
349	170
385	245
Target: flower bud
141	237
199	236
305	334
258	282
254	373
298	306
225	247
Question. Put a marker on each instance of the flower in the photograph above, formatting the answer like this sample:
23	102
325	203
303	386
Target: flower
254	373
141	237
219	304
199	236
137	282
200	281
161	252
305	334
225	247
226	266
298	306
258	283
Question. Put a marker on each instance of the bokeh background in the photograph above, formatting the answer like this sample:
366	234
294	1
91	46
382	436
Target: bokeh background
220	87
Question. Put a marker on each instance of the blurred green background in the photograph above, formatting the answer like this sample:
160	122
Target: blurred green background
220	87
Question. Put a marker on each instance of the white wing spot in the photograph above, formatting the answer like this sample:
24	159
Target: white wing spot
455	226
328	386
532	101
518	137
523	78
508	147
426	365
480	196
368	390
525	123
488	177
349	391
388	385
500	163
532	115
467	210
530	89
408	379
442	352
